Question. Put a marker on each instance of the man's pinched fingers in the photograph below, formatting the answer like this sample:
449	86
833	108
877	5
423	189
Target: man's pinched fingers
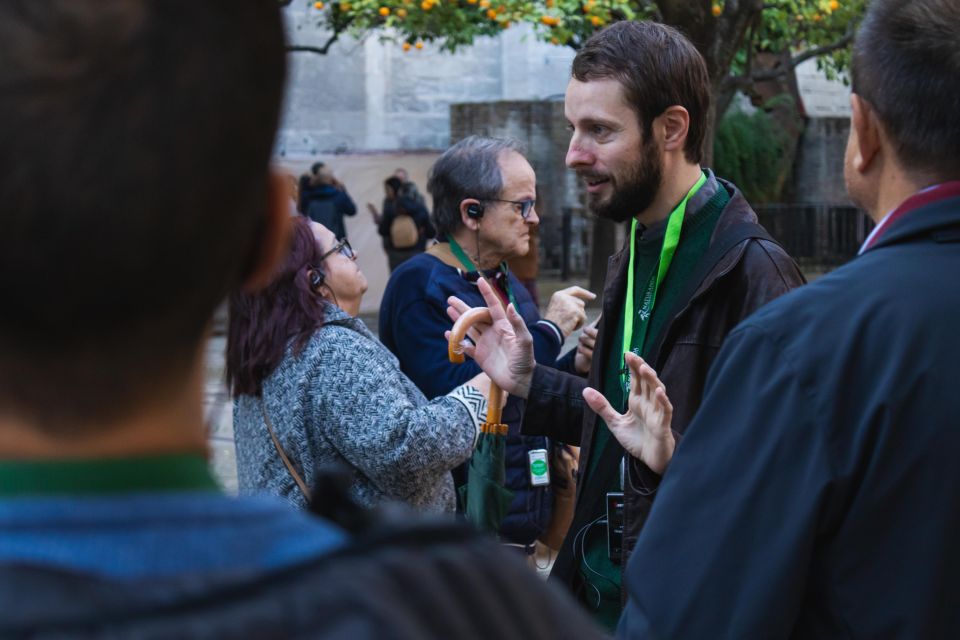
579	292
468	346
600	405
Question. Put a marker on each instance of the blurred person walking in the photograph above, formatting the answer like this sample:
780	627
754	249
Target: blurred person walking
326	201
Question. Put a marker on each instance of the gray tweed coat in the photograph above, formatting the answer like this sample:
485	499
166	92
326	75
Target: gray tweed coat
344	399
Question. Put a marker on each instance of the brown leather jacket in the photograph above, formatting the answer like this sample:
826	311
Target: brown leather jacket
748	276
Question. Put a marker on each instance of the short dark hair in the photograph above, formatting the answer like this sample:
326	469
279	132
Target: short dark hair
394	183
285	313
134	183
468	169
906	65
658	68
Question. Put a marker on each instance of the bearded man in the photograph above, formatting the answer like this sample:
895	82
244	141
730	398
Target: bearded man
695	264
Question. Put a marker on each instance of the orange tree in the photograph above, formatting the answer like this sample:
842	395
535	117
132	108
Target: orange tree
729	33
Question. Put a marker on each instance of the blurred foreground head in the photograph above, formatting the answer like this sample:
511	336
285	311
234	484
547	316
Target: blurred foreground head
135	137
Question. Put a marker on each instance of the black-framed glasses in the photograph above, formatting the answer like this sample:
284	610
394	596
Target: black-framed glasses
343	248
526	206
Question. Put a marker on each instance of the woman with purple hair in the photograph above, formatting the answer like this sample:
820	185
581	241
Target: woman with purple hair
313	386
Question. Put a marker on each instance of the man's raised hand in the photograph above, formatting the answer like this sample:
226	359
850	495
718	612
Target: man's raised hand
503	348
644	430
567	308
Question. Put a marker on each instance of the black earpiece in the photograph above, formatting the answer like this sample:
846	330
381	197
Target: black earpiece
475	210
317	276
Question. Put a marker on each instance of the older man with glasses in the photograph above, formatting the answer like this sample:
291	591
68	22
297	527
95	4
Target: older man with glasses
484	197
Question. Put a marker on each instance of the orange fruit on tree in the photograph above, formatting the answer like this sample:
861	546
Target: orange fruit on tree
834	5
716	10
484	4
406	46
318	5
596	21
426	5
419	44
401	12
384	11
492	14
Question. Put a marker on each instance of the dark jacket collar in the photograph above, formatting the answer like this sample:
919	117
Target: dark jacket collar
930	219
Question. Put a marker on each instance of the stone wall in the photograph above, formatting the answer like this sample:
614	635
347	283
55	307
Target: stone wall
371	96
818	169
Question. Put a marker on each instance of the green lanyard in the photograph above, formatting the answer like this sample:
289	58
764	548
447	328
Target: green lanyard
469	266
670	241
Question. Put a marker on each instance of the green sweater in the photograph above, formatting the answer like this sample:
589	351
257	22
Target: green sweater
600	574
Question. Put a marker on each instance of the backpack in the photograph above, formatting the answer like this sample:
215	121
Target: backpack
404	233
324	211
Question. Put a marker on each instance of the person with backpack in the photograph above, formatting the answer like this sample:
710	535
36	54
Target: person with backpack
326	202
404	224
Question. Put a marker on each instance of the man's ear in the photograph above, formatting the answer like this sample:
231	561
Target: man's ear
469	221
672	126
865	128
274	240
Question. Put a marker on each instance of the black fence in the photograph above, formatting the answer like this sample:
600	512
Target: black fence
817	235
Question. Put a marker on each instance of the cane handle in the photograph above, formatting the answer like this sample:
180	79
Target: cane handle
455	353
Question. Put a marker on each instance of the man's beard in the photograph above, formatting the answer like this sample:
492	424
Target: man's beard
638	190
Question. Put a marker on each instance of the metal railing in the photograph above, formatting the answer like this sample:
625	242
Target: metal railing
820	235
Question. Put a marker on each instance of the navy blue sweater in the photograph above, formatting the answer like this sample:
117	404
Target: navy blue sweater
413	319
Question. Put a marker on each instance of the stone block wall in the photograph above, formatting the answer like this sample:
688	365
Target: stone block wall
818	169
371	96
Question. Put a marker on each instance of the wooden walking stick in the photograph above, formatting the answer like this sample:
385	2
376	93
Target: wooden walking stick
455	353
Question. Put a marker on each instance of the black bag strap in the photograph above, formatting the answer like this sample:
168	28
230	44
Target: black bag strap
729	238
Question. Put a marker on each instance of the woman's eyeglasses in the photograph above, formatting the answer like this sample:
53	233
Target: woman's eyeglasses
526	206
343	248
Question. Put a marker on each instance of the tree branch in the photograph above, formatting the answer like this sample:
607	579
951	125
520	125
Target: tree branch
295	48
816	52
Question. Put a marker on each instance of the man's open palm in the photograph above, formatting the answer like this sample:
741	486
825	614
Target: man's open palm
644	430
503	348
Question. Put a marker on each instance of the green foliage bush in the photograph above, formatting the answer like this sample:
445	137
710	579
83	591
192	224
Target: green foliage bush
749	150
